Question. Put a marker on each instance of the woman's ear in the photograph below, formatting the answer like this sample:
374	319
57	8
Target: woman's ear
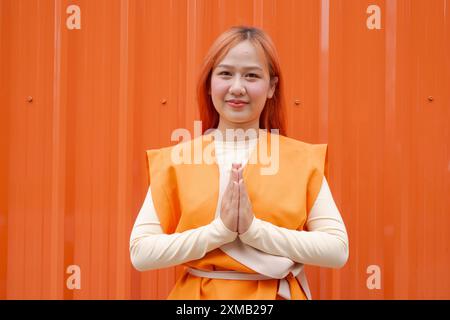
273	85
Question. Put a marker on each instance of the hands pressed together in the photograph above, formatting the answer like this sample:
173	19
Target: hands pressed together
236	210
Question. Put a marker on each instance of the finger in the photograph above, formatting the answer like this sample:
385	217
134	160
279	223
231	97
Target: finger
235	197
235	175
242	191
236	165
229	191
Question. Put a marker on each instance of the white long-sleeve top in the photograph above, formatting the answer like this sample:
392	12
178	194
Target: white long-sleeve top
325	243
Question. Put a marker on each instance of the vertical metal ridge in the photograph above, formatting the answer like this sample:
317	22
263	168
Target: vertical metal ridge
58	169
123	138
324	57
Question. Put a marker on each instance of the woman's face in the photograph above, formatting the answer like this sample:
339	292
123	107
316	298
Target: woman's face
241	75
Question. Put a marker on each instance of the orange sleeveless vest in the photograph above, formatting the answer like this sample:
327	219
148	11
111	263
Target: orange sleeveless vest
185	197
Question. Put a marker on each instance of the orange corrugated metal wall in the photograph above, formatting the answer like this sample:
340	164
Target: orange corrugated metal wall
87	86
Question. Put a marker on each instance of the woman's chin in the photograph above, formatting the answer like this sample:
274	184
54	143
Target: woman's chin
238	113
238	118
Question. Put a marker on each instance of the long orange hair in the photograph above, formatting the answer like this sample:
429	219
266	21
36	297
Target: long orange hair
273	113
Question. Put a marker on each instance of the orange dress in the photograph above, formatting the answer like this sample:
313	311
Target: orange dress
185	197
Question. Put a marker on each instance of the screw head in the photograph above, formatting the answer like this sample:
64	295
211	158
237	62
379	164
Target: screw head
163	101
430	98
297	102
29	99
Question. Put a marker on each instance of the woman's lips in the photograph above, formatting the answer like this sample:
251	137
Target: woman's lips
236	105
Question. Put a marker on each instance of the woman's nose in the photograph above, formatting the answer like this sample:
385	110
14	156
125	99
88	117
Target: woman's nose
237	87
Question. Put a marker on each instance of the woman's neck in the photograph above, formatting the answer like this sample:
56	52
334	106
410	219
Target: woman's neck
232	132
239	134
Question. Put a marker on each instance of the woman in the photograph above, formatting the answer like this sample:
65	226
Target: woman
241	233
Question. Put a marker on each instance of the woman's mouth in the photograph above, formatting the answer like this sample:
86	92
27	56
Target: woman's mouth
237	105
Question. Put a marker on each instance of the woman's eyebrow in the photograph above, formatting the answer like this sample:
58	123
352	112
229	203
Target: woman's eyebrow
246	68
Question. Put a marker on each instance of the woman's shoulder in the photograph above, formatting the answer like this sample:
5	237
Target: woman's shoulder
170	155
314	153
177	144
300	145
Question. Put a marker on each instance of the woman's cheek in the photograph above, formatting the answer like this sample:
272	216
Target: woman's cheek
257	91
218	88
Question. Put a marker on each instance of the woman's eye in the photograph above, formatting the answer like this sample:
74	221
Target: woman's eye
253	75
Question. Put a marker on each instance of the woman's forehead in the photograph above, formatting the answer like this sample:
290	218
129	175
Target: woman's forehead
244	56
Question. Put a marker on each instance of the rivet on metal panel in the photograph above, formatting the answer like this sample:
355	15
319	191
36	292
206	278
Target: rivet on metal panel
297	102
29	99
163	101
430	98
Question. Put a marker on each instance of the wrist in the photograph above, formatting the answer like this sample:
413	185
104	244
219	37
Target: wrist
223	229
250	232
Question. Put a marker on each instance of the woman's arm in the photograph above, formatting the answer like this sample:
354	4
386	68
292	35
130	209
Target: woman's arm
151	249
325	243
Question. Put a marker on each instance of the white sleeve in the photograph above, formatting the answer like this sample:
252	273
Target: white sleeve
150	248
325	243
